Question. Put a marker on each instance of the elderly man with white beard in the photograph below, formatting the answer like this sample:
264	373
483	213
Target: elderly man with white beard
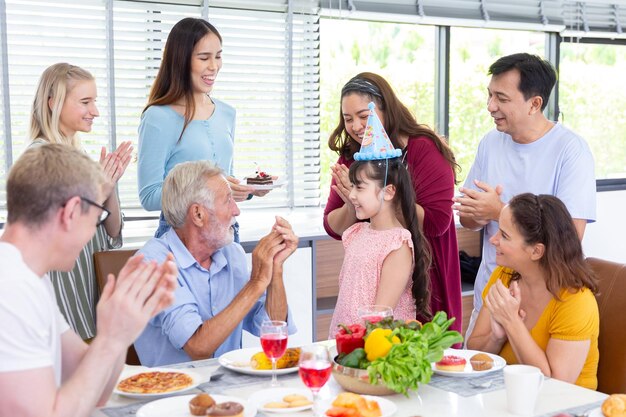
217	296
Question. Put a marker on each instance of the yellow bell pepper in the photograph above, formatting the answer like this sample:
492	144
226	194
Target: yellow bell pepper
378	343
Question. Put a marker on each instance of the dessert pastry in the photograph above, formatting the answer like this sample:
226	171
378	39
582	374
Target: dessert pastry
614	406
349	404
290	401
261	178
451	363
227	409
481	362
300	403
276	404
294	397
200	404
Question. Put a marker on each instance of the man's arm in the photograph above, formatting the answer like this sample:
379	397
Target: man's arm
73	353
580	225
34	392
126	304
212	333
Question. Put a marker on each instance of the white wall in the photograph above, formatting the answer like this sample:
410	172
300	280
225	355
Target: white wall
297	275
606	238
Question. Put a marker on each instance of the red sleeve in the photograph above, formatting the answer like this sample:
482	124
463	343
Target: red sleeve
433	180
334	202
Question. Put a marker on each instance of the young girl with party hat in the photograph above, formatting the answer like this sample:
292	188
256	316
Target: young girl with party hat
385	261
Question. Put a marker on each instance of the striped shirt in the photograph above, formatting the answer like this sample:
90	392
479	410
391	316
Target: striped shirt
76	291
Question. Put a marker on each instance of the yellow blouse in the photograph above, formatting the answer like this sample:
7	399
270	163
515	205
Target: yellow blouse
575	317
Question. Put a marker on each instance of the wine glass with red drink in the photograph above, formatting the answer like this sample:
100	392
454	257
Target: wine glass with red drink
315	368
274	343
374	313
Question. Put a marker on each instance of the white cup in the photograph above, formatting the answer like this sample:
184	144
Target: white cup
522	383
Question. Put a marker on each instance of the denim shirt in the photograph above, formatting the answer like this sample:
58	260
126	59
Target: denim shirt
201	295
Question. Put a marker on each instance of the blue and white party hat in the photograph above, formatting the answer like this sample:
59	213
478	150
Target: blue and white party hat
376	144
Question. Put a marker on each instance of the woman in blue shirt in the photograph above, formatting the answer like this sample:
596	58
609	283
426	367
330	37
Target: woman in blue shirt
181	121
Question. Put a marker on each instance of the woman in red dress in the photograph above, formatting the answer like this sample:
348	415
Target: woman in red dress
431	165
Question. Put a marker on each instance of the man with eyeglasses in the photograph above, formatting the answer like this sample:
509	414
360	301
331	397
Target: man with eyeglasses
525	152
53	200
217	297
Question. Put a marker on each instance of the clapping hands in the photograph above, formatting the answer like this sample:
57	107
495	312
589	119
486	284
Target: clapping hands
504	307
114	163
480	206
140	291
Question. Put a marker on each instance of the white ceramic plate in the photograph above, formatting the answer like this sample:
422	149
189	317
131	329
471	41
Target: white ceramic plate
387	408
276	184
596	412
179	406
260	398
498	363
239	361
197	379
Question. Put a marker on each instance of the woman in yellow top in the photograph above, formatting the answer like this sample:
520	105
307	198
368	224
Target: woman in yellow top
539	305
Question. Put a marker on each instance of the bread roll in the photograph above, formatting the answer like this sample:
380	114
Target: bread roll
614	406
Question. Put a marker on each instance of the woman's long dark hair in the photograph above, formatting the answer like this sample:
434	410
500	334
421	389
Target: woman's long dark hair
398	119
173	81
398	176
545	219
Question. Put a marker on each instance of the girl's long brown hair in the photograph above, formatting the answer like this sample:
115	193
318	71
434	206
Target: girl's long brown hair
545	219
398	119
173	81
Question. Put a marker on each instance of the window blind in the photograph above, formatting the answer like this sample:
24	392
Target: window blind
38	34
589	17
5	144
270	75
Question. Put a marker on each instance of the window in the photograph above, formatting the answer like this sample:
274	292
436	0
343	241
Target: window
592	103
270	76
404	54
472	51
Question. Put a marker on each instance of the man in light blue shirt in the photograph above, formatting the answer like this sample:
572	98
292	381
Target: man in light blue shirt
525	152
217	297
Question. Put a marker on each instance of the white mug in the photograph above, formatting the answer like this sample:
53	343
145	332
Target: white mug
522	383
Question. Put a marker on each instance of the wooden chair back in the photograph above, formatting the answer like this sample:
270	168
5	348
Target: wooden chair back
612	340
111	262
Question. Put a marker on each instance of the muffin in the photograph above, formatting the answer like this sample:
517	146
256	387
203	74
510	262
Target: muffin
481	362
614	406
200	404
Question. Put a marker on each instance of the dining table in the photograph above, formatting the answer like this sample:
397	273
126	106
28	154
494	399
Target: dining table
443	396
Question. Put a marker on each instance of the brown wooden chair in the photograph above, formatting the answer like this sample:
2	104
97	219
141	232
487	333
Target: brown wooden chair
111	262
612	341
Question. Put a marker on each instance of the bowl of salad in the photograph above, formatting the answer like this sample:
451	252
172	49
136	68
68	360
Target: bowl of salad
390	356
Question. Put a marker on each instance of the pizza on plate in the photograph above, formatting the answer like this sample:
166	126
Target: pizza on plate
155	382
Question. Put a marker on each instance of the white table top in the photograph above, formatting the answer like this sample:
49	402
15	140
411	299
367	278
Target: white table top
428	401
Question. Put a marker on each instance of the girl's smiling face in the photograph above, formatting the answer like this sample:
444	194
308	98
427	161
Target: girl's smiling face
365	196
79	108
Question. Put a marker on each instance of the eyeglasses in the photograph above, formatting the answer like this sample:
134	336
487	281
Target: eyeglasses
105	213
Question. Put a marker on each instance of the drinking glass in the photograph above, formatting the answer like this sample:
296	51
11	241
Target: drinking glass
314	369
374	313
274	343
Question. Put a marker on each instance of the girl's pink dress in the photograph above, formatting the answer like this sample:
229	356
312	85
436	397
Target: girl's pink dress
366	250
